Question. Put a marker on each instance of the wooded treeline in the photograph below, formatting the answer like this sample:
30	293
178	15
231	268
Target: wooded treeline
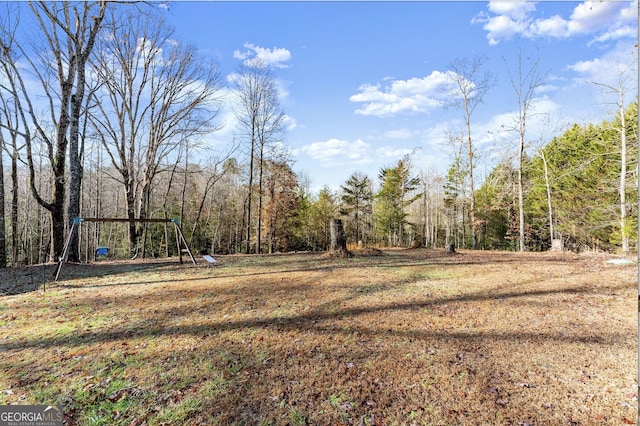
103	113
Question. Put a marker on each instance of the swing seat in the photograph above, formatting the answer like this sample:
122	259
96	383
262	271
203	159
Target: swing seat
102	251
209	259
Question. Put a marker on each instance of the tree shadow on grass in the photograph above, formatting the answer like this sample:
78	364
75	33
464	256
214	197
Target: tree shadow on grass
24	280
331	336
217	272
21	280
97	270
315	320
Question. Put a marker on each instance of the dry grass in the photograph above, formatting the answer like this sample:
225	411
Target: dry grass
411	337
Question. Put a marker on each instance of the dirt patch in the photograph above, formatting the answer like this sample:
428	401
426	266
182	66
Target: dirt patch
368	251
337	254
411	337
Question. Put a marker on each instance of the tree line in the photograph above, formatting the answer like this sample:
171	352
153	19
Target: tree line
104	113
573	191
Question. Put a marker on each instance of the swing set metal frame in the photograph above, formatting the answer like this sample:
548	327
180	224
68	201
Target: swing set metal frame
180	240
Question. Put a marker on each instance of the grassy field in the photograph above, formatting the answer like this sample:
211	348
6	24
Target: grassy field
408	337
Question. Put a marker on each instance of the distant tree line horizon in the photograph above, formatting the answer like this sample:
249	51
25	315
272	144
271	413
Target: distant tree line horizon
103	113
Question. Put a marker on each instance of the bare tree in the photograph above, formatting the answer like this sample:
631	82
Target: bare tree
14	121
215	174
10	120
455	195
165	202
431	208
158	94
67	32
470	88
524	83
261	120
548	189
551	126
3	233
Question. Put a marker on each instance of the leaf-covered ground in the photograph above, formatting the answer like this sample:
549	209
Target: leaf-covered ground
410	337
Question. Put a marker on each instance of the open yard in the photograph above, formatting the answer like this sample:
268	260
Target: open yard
409	337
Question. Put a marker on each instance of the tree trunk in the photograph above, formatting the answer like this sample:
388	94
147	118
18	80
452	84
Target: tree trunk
79	52
472	197
260	178
521	189
338	240
165	202
75	167
57	212
549	205
248	248
524	84
3	233
14	210
131	214
623	178
185	181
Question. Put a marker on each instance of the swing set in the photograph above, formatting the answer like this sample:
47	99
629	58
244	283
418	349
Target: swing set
181	242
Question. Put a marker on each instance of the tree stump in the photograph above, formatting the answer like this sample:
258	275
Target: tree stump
557	245
338	240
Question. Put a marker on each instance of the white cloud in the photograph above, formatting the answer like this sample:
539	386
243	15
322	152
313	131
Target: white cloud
514	9
542	106
504	126
263	57
555	77
593	16
283	89
227	120
173	42
501	27
494	134
389	152
612	20
290	123
546	88
403	133
556	26
436	136
337	152
416	95
504	27
606	20
281	85
620	62
590	68
617	33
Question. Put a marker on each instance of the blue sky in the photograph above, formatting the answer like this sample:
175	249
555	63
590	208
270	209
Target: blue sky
362	82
